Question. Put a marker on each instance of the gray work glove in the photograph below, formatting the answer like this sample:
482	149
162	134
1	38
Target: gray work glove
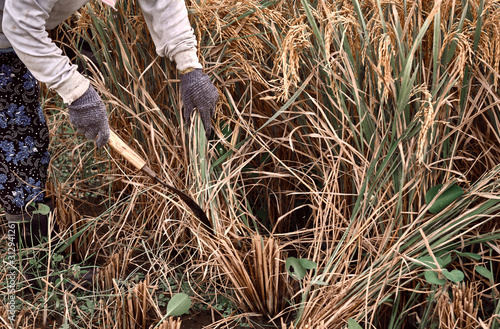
198	91
88	114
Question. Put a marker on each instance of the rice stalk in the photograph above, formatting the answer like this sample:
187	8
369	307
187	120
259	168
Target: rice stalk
307	326
114	270
252	272
132	305
171	323
460	310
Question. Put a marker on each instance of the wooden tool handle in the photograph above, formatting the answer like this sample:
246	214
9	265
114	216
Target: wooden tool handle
130	155
126	151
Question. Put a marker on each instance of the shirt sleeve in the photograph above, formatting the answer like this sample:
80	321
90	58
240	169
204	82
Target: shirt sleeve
23	24
171	31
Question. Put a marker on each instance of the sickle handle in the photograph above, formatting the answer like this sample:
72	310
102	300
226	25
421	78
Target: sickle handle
125	151
135	159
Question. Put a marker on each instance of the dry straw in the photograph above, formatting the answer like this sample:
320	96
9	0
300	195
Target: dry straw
171	323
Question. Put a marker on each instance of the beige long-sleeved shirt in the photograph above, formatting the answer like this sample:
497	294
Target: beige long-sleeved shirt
25	24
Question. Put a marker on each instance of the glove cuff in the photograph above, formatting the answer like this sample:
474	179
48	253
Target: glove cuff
89	97
190	69
72	88
186	59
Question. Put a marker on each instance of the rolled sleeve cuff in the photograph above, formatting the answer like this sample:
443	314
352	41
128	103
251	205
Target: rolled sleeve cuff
73	88
187	59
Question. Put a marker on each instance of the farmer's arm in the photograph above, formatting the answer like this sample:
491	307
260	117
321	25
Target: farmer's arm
24	25
173	36
171	31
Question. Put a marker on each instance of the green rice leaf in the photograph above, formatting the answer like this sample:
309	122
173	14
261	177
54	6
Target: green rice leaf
319	283
468	255
446	198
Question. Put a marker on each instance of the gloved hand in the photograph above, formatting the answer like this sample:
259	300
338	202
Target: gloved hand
198	91
88	114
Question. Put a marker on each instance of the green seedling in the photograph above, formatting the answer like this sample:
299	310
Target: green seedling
297	268
431	275
178	305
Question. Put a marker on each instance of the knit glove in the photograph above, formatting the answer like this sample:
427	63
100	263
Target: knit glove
198	91
88	114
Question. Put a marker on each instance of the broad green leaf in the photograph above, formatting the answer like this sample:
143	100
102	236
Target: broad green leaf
452	193
469	255
352	324
429	262
484	272
43	209
299	272
178	305
455	275
308	264
432	277
444	260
